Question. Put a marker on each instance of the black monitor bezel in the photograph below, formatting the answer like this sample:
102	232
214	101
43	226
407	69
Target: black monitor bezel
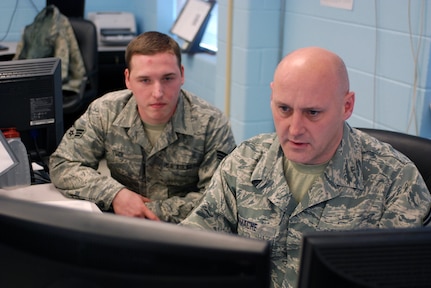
69	8
98	246
366	258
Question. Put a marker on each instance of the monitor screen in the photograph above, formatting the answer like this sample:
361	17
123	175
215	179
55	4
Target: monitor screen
191	23
31	100
372	258
69	8
48	246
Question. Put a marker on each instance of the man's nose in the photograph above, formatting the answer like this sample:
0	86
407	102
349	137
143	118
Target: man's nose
296	125
157	90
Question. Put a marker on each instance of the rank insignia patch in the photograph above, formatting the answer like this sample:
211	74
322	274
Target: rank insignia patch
75	133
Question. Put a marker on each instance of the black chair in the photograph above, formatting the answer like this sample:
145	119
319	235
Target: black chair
86	35
418	149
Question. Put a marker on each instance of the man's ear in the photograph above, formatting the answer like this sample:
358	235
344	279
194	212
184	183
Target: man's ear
182	75
271	85
349	103
127	77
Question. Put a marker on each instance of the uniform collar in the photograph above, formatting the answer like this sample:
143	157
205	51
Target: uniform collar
181	120
343	170
181	123
268	176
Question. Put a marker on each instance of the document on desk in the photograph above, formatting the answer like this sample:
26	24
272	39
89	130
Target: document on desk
75	204
7	158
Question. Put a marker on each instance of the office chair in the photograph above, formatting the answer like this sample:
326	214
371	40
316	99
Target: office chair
416	148
86	35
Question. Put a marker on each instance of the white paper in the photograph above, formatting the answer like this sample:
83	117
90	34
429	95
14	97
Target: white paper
36	167
73	204
6	160
342	4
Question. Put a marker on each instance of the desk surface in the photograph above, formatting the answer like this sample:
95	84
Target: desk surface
47	194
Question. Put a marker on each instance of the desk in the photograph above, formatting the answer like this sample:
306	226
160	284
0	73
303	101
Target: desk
47	194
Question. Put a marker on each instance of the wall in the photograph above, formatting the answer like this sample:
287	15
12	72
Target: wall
374	39
255	45
14	15
376	42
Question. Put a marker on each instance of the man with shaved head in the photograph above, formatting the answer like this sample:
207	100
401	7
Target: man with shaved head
316	173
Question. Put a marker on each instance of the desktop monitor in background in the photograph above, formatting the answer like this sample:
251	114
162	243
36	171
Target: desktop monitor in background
51	247
361	259
191	23
31	100
69	8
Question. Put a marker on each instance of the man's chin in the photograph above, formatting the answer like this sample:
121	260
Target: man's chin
301	158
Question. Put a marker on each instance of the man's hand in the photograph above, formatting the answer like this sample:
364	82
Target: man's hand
129	203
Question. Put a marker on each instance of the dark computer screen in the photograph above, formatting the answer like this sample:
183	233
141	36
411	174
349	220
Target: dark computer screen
47	246
373	258
31	100
69	8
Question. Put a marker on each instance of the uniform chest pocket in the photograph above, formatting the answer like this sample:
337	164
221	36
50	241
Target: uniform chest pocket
181	173
267	231
254	229
124	164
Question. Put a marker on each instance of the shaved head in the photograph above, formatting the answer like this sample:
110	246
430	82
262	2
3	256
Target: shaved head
318	65
310	101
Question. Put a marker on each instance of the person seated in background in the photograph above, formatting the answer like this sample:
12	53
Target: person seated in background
161	143
315	173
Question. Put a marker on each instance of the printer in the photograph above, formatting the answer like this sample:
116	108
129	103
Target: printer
114	28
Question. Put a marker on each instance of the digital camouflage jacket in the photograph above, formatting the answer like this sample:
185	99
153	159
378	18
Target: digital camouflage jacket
173	173
367	184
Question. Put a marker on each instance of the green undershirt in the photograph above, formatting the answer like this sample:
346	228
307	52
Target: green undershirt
301	176
153	131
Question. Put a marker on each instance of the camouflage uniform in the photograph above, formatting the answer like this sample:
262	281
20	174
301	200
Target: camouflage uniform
182	161
51	35
367	184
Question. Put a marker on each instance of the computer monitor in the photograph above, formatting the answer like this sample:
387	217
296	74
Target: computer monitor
49	246
371	258
69	8
191	23
31	100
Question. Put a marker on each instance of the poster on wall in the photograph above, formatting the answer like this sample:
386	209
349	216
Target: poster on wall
342	4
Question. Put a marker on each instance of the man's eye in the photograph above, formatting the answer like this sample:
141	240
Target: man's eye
313	113
284	109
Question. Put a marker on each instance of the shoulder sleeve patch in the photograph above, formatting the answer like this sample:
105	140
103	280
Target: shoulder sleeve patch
220	155
75	133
